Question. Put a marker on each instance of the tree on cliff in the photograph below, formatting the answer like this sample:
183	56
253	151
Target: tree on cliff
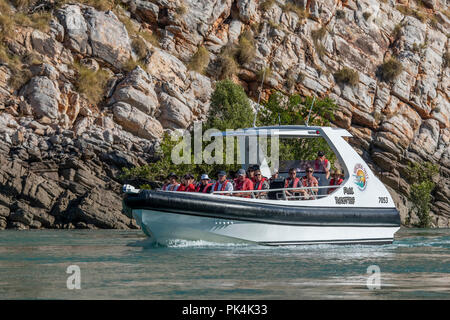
294	110
230	107
421	190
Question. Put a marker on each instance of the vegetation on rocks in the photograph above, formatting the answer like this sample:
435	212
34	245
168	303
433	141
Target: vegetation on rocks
91	83
347	76
199	60
318	35
446	59
228	65
422	174
295	110
391	69
230	107
20	73
10	19
246	48
266	4
296	8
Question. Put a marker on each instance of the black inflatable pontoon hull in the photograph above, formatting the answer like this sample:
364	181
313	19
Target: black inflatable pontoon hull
236	209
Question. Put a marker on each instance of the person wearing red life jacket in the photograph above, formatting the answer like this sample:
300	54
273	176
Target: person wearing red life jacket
173	184
205	184
291	182
322	164
309	181
222	184
261	183
187	183
336	180
243	184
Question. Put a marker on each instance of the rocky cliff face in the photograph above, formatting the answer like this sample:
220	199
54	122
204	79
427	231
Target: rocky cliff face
61	150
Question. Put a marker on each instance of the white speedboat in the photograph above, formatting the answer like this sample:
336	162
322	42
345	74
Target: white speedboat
359	211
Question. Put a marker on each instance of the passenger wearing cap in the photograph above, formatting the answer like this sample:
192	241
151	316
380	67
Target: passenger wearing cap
309	181
222	184
205	184
322	164
187	183
274	175
173	184
243	184
336	180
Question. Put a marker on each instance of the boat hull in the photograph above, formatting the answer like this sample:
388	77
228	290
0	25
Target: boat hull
164	227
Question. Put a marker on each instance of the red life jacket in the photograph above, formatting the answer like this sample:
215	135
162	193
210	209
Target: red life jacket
306	184
335	183
247	184
222	188
318	165
189	188
260	183
294	185
205	188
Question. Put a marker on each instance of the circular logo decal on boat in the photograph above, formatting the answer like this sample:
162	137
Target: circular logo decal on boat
360	175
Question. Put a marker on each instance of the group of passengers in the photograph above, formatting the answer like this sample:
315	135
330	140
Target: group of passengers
243	181
254	180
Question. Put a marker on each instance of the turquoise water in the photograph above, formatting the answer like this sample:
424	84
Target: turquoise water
121	265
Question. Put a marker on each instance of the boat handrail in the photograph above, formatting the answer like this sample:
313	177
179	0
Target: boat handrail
279	189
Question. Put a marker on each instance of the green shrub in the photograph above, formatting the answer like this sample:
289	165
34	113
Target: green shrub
230	107
24	4
318	34
391	69
297	9
90	83
20	74
397	30
131	64
320	49
153	37
347	76
420	192
274	25
246	47
294	110
139	47
264	73
227	63
181	10
446	59
367	15
266	5
199	60
407	11
340	14
7	26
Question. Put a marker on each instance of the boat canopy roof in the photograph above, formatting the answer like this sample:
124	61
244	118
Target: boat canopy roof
286	131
